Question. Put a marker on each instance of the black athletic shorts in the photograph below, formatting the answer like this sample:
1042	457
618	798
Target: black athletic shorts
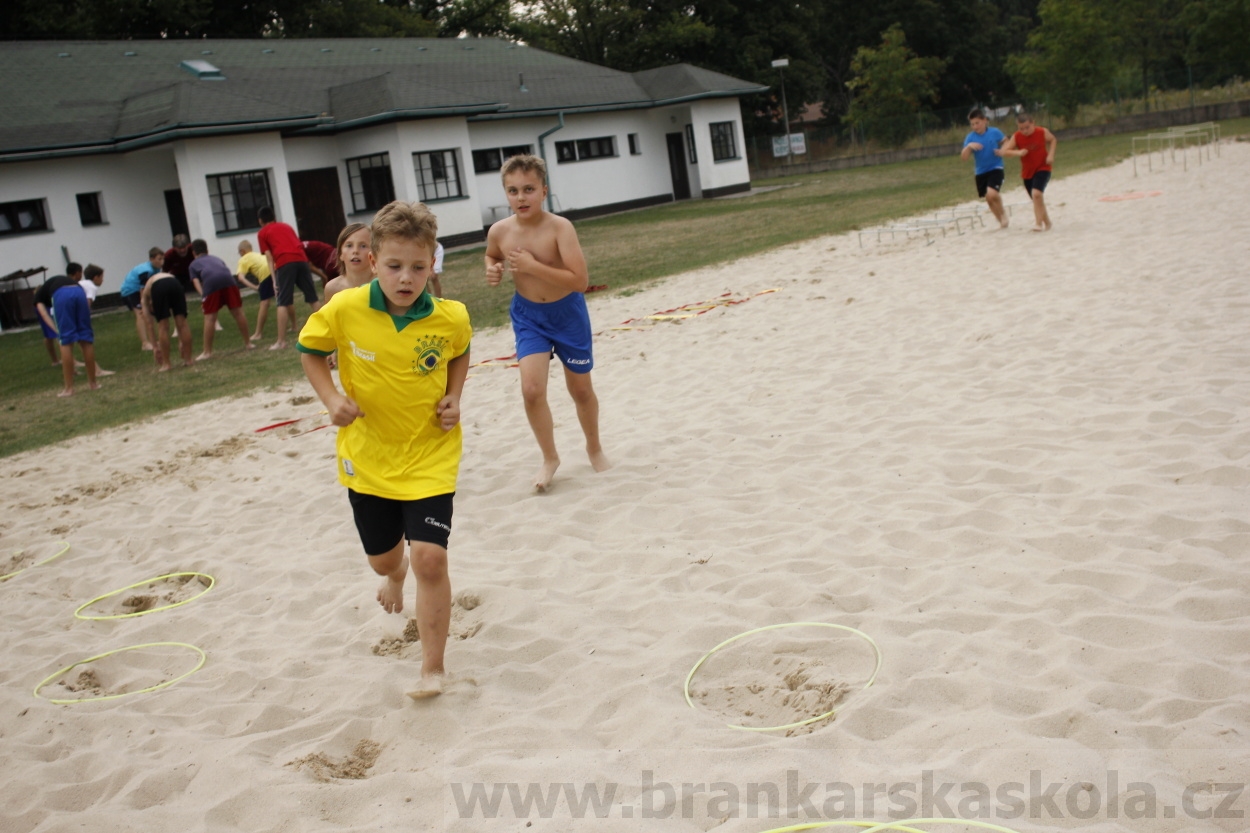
290	276
383	522
1039	181
168	299
989	179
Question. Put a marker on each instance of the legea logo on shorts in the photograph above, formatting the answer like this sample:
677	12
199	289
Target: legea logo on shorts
578	361
363	355
433	522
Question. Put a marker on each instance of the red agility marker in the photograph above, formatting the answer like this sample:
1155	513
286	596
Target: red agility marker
277	425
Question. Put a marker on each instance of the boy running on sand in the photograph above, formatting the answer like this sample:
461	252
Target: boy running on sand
982	144
1036	148
548	310
403	359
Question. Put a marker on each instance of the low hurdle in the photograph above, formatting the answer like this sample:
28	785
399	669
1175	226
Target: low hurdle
1204	136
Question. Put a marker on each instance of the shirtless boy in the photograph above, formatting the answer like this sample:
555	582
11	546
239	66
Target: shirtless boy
548	310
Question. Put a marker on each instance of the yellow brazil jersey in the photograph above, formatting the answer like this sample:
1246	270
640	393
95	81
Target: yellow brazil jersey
395	369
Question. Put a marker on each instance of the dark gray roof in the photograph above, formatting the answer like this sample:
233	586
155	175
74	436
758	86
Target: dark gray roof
65	98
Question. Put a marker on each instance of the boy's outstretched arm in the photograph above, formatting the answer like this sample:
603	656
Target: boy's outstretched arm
343	411
449	405
1052	142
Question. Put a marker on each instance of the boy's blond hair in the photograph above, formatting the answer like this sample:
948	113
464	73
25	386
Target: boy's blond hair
245	246
526	163
404	221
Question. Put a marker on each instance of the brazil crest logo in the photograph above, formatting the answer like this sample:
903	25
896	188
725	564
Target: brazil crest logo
429	352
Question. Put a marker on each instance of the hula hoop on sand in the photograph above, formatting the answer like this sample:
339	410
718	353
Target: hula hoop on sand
78	613
157	687
817	718
881	826
64	549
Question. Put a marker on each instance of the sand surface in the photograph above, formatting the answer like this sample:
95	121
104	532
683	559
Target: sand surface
1019	463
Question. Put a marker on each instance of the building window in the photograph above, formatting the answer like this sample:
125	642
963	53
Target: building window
438	175
91	209
635	148
235	197
370	181
23	217
579	149
487	161
690	152
724	143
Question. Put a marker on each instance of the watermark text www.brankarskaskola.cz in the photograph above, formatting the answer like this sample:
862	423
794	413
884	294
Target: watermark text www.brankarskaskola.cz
797	797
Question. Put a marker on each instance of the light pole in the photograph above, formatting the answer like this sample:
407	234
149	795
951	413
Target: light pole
779	65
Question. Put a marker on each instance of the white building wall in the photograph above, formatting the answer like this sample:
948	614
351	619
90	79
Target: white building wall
714	174
199	159
456	215
132	185
132	190
590	183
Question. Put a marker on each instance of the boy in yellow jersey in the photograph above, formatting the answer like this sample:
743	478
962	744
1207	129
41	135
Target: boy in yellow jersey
403	357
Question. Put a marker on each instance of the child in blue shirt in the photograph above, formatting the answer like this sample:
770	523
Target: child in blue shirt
982	145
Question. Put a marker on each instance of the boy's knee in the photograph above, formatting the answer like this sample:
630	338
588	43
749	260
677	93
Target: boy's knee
429	561
533	393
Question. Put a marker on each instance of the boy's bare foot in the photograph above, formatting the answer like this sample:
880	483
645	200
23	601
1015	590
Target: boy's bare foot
546	472
146	348
255	337
599	461
278	345
161	368
431	686
99	371
95	386
249	345
1038	228
391	593
203	357
69	392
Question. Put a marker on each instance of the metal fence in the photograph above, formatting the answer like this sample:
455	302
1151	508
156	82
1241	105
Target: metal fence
943	127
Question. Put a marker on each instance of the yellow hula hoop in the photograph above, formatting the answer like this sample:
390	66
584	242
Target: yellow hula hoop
64	549
879	827
78	613
817	718
157	687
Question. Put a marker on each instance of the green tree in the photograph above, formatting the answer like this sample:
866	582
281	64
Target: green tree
1069	57
1219	38
890	85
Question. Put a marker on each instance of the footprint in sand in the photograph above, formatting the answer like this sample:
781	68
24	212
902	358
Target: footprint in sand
353	767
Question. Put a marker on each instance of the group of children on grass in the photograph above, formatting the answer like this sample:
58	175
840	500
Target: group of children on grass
157	298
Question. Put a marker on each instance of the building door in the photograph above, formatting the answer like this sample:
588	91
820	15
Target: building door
177	213
318	204
677	165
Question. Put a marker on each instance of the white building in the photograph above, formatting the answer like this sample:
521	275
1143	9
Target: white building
110	148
